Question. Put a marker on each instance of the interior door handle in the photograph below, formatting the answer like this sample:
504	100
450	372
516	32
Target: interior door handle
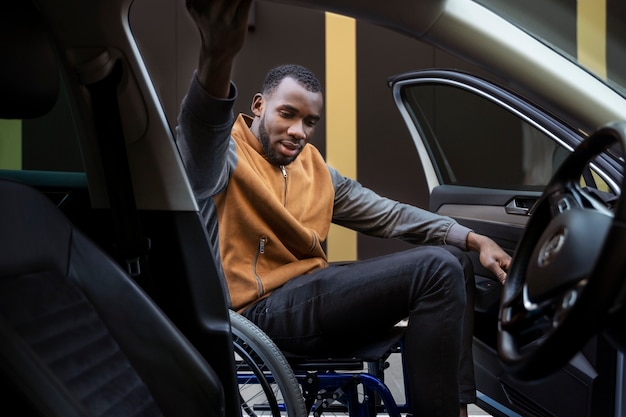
520	206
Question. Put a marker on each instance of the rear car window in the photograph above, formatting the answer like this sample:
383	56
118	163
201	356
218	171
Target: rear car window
47	143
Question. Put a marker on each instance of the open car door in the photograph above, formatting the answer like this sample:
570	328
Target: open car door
487	155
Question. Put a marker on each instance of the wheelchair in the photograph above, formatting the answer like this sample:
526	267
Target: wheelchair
276	383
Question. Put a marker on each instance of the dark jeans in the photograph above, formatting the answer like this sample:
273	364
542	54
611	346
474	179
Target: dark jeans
348	304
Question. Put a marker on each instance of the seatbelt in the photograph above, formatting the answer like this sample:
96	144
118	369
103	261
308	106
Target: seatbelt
131	245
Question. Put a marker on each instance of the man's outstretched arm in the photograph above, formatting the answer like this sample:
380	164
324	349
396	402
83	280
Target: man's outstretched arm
222	25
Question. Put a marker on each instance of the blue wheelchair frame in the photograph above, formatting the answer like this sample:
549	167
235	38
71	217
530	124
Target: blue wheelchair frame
344	385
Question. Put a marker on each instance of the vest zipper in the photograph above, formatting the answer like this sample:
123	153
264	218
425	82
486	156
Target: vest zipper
284	170
260	251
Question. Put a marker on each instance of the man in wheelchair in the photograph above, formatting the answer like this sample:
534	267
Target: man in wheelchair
274	197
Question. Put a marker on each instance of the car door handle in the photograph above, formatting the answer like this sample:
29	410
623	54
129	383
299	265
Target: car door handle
520	206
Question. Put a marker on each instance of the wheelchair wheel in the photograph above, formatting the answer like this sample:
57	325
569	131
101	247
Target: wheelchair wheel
267	385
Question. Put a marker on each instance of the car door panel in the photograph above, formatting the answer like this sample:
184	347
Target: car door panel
485	211
500	214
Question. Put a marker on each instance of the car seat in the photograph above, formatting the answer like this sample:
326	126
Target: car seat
77	335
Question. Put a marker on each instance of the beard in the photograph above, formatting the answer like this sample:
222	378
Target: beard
270	154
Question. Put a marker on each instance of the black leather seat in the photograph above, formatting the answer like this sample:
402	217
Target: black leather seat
77	336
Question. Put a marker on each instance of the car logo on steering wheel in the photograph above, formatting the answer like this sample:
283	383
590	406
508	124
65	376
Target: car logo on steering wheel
551	248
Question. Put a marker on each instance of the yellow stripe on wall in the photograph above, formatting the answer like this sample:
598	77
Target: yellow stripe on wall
341	119
10	144
591	46
591	35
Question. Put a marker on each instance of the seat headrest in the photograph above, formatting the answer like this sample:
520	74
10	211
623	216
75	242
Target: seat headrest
29	76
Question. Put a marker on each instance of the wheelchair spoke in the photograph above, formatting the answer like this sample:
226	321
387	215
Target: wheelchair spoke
257	390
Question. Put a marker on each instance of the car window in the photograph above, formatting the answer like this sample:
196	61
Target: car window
47	143
478	142
475	142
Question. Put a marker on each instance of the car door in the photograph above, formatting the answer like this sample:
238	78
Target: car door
487	155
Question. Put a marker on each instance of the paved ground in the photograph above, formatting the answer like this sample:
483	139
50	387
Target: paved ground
393	379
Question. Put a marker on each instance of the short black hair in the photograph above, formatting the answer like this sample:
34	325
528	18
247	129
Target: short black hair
299	73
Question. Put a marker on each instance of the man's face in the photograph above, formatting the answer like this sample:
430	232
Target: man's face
287	120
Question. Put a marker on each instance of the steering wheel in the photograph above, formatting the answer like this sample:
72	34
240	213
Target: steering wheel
568	271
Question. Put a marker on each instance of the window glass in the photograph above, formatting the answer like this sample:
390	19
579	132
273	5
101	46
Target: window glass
48	143
476	142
